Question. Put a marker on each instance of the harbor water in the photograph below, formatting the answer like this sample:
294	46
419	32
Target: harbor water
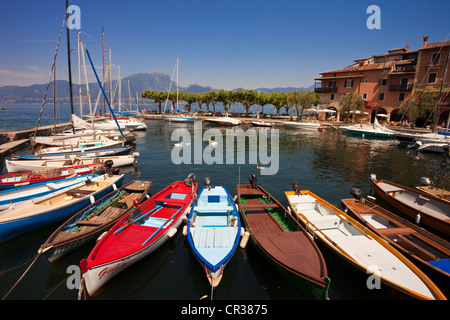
328	162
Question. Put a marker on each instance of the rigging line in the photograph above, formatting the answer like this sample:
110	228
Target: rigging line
170	87
49	78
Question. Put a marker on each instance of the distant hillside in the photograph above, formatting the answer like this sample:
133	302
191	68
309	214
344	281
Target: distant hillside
139	83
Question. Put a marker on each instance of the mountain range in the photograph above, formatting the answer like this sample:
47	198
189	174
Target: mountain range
139	83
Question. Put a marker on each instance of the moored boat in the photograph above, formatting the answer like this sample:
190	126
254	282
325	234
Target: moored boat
20	179
213	230
87	224
32	214
314	125
11	197
32	165
223	121
426	210
427	251
137	234
360	247
281	239
262	124
73	155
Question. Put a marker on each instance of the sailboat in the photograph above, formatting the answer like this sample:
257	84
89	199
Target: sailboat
177	117
375	130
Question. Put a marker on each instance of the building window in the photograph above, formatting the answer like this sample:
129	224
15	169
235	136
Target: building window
348	83
435	58
432	78
332	97
364	96
401	96
381	97
366	81
383	82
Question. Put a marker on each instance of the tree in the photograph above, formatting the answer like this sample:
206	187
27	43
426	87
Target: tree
351	102
301	100
247	98
279	100
226	97
419	105
190	98
158	97
211	97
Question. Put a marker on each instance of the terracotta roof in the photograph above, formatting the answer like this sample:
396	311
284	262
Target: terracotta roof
436	45
364	67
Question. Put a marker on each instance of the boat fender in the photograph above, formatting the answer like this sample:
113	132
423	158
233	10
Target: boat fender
371	198
242	231
92	199
185	230
244	239
417	218
114	186
171	232
135	154
35	177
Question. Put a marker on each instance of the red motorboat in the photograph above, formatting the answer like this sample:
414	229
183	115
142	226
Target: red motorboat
137	234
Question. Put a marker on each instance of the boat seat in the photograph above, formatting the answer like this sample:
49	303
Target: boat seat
154	222
213	237
326	222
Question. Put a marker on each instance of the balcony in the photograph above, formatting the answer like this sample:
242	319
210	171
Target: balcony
325	90
400	87
434	65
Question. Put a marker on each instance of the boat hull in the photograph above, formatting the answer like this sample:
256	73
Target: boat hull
414	213
214	234
12	225
292	252
361	248
59	244
110	256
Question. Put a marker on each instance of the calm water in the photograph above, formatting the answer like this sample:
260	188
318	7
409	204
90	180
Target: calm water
328	163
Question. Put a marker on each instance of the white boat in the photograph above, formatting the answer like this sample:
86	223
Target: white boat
301	125
360	247
31	165
262	124
73	155
83	145
375	130
410	138
125	123
179	118
434	147
223	121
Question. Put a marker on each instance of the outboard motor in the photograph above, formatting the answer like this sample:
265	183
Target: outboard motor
99	170
115	170
356	193
190	180
207	182
296	187
424	181
134	213
253	181
108	165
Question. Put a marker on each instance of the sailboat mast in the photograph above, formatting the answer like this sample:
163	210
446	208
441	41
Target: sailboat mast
68	62
177	84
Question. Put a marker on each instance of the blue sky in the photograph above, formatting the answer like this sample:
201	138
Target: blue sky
221	43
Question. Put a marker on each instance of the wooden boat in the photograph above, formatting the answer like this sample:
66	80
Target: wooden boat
32	165
428	211
32	214
214	230
11	197
137	234
427	251
81	145
73	155
89	223
360	247
282	240
20	179
435	192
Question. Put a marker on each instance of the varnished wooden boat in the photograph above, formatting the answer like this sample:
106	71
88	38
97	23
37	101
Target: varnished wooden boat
89	223
427	251
283	241
435	192
360	247
427	211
